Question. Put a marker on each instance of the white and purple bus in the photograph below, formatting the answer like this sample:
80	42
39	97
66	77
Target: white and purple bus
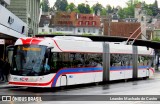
69	60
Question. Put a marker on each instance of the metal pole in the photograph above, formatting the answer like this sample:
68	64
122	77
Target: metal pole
106	62
135	61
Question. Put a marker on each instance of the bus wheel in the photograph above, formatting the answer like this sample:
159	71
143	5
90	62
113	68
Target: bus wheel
125	80
96	83
62	87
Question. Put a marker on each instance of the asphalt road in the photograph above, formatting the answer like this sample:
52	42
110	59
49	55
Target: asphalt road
79	95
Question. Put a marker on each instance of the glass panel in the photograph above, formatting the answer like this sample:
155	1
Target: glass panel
28	60
75	60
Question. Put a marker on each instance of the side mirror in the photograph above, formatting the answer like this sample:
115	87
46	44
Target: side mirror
50	47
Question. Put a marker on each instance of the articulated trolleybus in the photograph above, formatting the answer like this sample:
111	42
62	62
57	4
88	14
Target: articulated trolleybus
69	60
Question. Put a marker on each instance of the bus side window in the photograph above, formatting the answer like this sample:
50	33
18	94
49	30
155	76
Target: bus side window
53	62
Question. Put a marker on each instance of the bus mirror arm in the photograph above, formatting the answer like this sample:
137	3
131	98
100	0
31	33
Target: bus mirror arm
50	47
48	51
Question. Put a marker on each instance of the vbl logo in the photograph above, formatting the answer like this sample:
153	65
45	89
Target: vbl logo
24	79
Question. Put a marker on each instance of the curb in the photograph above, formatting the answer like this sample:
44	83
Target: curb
5	85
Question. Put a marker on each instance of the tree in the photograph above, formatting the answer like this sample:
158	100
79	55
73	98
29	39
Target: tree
61	5
87	9
82	8
97	7
121	13
103	11
155	8
71	7
129	10
148	9
109	9
45	5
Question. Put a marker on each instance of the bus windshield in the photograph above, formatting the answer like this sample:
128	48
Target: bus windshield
28	60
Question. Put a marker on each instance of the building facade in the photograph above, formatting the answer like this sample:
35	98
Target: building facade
11	27
122	29
140	14
87	24
44	27
71	23
28	11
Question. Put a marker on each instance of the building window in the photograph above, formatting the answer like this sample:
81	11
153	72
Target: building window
42	30
88	30
84	17
79	30
80	22
62	29
58	29
87	23
90	18
70	28
93	23
66	29
84	30
94	30
50	30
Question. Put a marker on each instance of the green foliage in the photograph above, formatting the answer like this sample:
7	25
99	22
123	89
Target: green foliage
71	7
61	5
97	7
44	33
109	9
84	8
85	34
128	11
57	33
45	5
103	11
121	13
151	9
156	39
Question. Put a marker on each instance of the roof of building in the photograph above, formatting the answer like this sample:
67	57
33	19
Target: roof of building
124	29
45	19
75	19
87	20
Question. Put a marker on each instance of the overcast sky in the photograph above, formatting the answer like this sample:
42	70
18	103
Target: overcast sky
114	3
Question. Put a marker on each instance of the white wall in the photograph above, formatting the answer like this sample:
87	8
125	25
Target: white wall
46	29
87	30
14	26
64	30
74	31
